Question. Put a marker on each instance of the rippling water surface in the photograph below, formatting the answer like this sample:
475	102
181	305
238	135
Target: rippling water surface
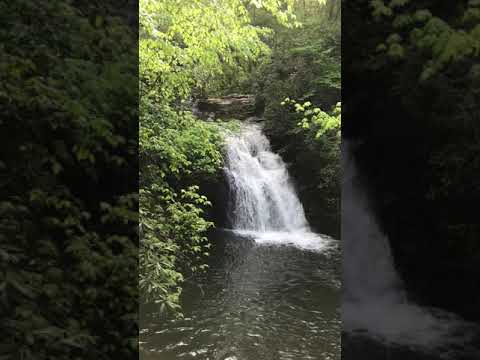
258	301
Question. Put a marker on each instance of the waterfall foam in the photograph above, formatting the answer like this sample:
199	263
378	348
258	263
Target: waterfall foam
374	300
263	202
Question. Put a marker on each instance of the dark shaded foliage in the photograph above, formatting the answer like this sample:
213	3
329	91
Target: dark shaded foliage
69	207
305	66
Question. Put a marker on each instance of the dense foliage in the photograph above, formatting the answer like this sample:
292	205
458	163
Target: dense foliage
322	136
413	97
68	210
175	152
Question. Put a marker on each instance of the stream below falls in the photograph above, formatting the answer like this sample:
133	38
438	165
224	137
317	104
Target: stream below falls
256	302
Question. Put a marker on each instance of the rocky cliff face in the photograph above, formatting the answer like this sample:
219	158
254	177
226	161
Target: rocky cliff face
235	106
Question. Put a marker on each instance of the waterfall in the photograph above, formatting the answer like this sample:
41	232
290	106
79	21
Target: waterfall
263	198
368	264
374	300
263	201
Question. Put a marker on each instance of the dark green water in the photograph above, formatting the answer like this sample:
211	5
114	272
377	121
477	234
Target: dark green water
256	302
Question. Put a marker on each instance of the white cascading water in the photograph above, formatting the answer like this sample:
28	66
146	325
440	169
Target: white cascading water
374	300
368	264
263	200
